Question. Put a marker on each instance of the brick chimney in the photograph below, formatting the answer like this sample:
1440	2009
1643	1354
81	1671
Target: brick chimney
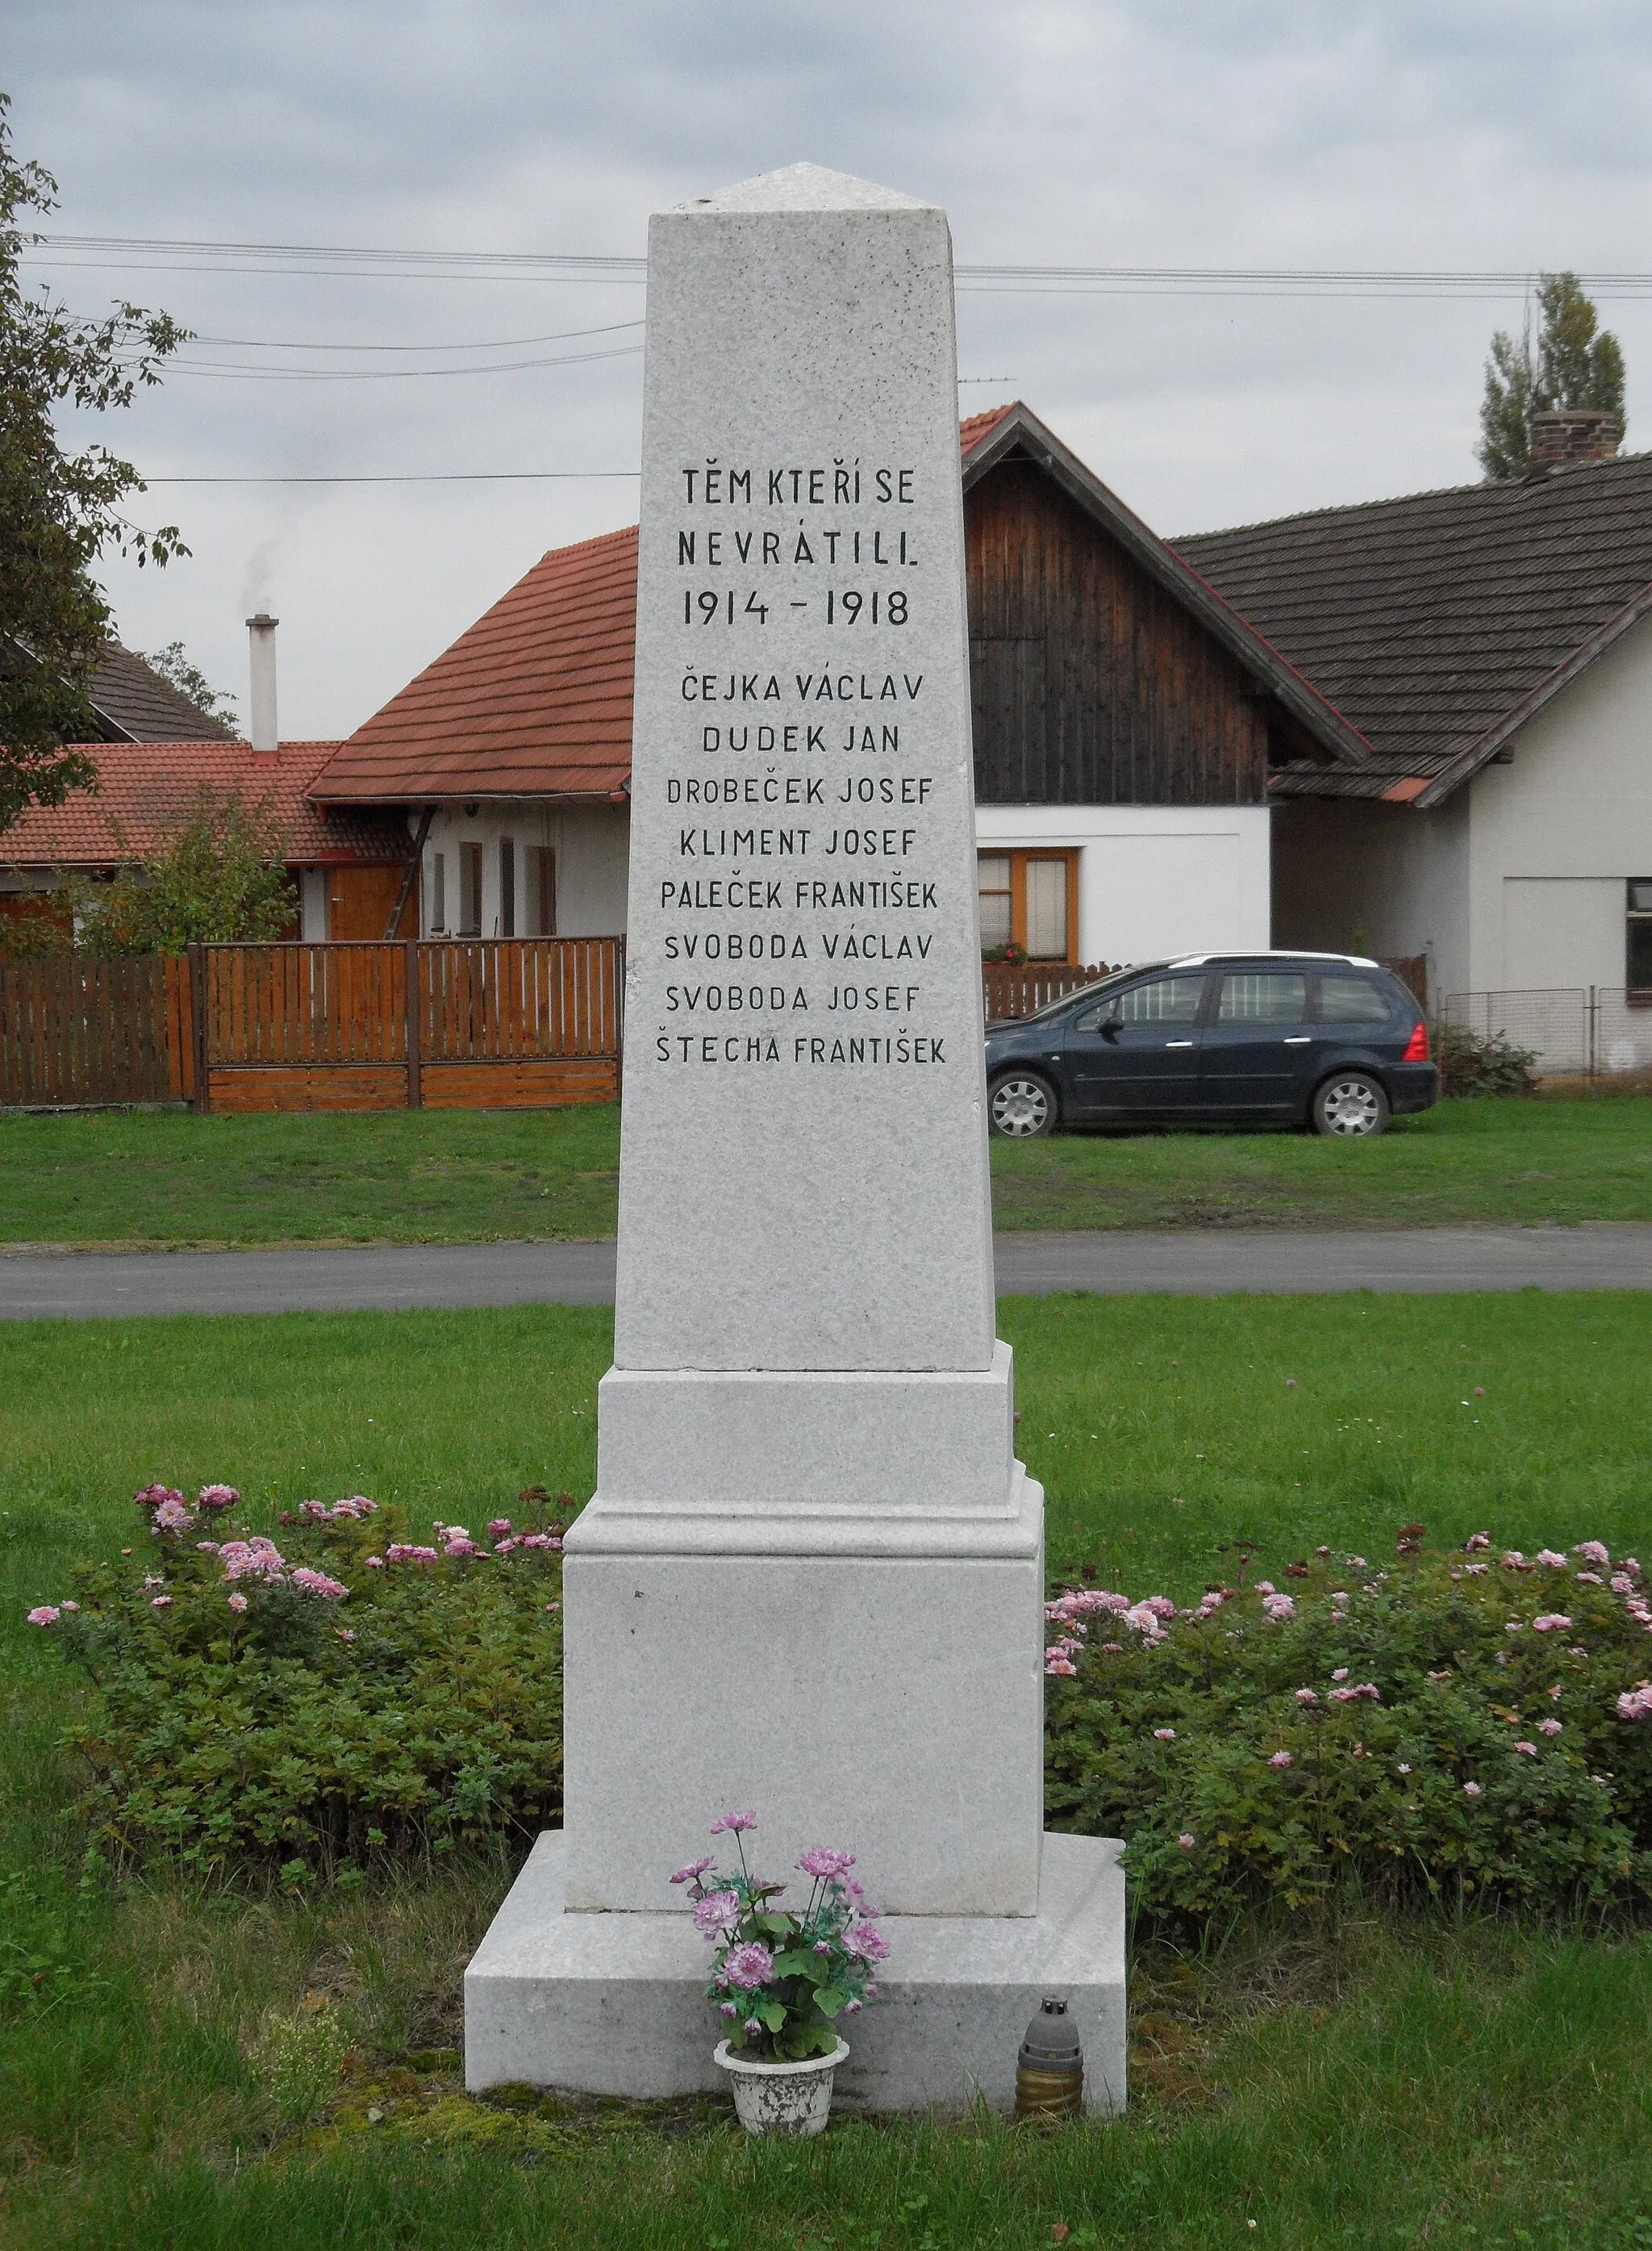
1565	437
261	703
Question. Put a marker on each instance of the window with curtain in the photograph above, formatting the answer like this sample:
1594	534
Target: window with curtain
1029	899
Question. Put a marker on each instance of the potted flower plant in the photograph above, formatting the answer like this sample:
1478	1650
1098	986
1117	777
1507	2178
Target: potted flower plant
781	1978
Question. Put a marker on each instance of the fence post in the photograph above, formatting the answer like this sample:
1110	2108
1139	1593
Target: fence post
415	1079
1591	1037
196	955
620	1017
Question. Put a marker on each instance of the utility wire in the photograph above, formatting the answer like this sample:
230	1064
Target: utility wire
496	343
255	257
386	374
438	477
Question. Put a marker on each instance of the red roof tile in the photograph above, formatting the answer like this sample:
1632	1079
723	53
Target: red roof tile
146	788
974	427
534	699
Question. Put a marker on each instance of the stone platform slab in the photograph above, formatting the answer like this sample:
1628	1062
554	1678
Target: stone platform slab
615	2004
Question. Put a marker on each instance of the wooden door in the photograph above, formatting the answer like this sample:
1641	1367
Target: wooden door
360	902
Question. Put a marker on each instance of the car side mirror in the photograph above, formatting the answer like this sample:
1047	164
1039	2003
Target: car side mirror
1109	1023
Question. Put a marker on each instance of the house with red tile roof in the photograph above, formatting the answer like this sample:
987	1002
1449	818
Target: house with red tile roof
1126	719
157	757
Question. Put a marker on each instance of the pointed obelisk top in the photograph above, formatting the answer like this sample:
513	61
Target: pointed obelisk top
805	188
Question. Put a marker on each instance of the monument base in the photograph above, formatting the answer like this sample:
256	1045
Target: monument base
616	2004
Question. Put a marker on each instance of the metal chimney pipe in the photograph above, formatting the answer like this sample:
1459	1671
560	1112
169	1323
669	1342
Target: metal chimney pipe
261	633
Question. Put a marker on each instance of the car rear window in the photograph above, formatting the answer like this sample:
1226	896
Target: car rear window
1353	1000
1263	997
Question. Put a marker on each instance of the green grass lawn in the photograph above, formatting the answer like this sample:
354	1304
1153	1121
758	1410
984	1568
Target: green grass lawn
468	1176
1472	2085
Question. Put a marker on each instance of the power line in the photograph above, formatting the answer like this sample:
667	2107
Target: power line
435	477
254	257
495	343
388	374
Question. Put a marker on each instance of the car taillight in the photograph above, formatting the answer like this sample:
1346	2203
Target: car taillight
1417	1046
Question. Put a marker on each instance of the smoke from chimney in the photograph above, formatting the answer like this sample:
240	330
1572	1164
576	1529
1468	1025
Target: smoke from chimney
261	703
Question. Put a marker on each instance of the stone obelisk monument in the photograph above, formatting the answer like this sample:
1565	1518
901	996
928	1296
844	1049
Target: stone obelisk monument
811	1580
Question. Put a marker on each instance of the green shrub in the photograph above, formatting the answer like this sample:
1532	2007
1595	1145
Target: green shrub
1481	1063
313	1706
1427	1731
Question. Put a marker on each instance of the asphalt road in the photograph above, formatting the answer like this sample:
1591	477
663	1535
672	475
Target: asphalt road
1206	1262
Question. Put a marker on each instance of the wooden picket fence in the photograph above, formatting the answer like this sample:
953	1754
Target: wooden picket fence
475	1024
77	1032
1020	989
435	1023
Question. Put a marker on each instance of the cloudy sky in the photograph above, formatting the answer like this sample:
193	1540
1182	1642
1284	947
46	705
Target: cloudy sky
1409	135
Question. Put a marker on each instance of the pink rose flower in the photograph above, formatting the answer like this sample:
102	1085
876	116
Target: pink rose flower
1471	1790
1281	1759
1164	1735
695	1868
237	1602
317	1582
1186	1840
44	1614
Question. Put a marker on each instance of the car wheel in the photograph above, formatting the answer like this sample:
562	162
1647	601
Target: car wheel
1351	1104
1022	1106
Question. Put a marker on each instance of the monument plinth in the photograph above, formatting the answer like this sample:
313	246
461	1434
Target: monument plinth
811	1578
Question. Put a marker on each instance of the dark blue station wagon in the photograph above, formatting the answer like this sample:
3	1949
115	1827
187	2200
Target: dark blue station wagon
1326	1040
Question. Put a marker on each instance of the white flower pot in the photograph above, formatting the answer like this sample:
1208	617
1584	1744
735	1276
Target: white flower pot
789	2099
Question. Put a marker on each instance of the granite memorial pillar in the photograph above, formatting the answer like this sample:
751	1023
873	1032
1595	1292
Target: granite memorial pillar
810	1579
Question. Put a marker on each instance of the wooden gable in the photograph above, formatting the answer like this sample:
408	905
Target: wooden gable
1093	684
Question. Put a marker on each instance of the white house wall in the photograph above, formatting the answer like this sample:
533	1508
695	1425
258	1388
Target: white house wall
1153	880
591	842
1557	834
1364	878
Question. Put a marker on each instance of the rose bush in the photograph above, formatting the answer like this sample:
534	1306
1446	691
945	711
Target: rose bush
1472	1727
318	1696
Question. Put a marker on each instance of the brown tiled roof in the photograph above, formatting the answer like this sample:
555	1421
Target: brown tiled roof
144	789
136	705
1397	776
535	700
1438	622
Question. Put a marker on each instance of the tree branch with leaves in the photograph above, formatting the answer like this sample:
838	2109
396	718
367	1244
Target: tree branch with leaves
60	511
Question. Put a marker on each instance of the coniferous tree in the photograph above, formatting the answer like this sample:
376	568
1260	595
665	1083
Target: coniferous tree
1575	363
